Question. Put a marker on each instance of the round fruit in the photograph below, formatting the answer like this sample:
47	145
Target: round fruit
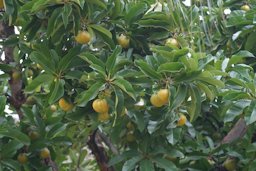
45	153
30	100
163	95
123	41
33	135
65	105
103	117
155	101
130	126
53	108
230	164
83	37
245	8
182	120
130	137
100	105
1	4
16	75
22	158
171	42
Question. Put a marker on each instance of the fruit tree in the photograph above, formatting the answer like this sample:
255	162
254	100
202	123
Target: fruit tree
122	85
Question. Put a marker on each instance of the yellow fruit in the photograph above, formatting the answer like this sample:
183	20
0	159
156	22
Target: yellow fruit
130	137
65	105
182	120
100	105
245	8
230	164
155	101
83	37
33	135
171	42
39	66
1	4
45	153
53	108
130	126
22	158
103	117
123	41
30	100
163	95
16	75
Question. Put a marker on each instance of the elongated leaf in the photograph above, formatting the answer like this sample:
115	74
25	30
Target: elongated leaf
239	56
67	59
91	59
209	94
66	13
130	164
2	104
15	134
167	165
148	70
125	155
119	100
41	79
104	33
170	67
146	165
110	65
250	115
135	12
57	92
89	94
195	107
180	96
125	86
46	62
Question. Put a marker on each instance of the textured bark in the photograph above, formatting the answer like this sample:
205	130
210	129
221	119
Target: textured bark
17	97
237	132
99	152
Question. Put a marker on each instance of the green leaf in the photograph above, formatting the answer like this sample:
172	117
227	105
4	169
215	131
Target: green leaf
111	61
10	149
41	79
91	59
2	105
209	94
66	13
239	56
56	129
236	109
131	164
195	106
125	86
119	101
105	34
57	92
135	12
147	69
67	59
180	96
250	115
10	163
46	62
170	67
15	134
125	155
165	164
99	3
146	165
89	94
212	81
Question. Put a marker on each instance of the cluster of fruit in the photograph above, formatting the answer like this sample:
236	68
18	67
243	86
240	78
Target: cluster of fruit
44	154
160	98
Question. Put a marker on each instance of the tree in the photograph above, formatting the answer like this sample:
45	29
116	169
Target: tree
141	85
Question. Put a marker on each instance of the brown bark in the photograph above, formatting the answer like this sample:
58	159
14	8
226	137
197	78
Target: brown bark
17	97
99	152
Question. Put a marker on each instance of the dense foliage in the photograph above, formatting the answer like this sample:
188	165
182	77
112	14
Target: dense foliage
154	85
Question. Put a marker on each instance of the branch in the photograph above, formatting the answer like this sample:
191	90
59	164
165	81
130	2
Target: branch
99	152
